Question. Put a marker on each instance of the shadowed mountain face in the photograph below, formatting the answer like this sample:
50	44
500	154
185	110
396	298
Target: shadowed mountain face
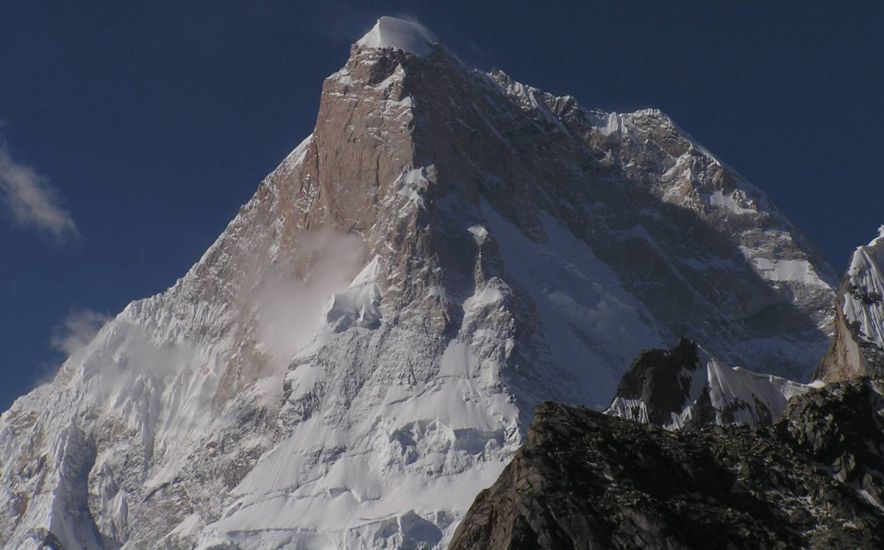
815	479
361	349
685	387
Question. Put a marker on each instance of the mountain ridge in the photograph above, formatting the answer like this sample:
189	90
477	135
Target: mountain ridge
587	480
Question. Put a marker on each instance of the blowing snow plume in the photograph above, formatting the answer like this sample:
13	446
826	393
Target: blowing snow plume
282	307
288	302
77	330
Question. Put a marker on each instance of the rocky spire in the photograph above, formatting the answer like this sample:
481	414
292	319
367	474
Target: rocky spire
858	345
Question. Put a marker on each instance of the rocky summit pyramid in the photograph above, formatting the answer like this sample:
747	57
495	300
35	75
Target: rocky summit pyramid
359	352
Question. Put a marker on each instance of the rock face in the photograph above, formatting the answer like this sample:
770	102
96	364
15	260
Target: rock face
858	346
685	387
361	349
586	480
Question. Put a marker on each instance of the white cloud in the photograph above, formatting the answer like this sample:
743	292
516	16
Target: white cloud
77	330
30	199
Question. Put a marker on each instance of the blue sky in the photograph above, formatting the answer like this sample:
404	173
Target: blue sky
130	133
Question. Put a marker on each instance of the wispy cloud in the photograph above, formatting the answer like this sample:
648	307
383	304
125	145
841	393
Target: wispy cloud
77	330
30	199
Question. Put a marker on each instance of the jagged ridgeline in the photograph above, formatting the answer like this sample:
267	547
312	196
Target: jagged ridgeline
361	350
686	387
815	479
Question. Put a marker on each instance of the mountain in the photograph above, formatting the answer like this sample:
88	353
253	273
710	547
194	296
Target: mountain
685	387
361	349
815	479
858	346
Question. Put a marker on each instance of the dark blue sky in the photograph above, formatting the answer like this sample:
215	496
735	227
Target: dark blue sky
153	122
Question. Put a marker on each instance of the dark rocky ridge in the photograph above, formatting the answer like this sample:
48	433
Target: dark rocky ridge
657	379
587	480
684	387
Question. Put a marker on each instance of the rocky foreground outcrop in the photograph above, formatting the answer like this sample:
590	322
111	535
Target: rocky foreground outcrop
813	479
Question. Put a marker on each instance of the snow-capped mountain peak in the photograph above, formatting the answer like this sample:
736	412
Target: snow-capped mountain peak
399	34
361	349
